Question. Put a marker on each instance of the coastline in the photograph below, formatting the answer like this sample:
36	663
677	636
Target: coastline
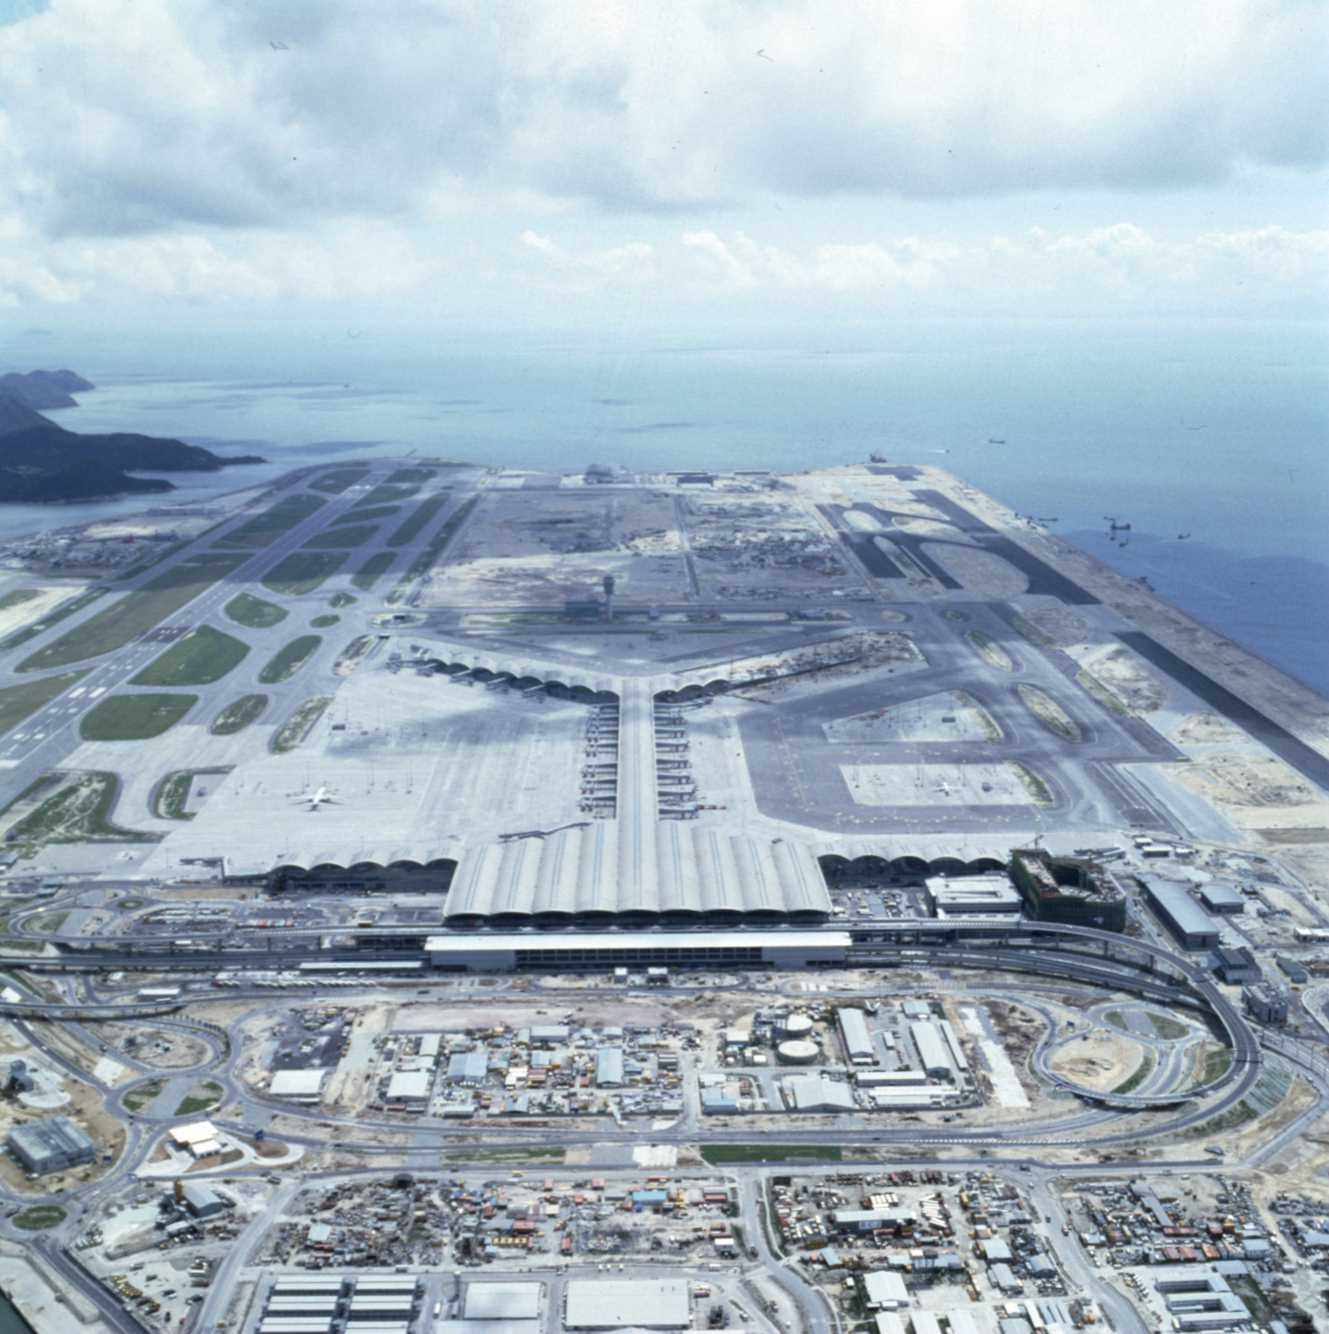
39	1301
12	1320
1143	606
93	500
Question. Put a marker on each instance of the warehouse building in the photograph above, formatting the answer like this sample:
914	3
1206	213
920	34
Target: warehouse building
304	1086
468	1067
931	1048
1235	966
549	1035
464	952
884	1290
873	1220
889	1078
854	1034
609	1068
501	1301
1172	904
1293	971
202	1201
639	1304
818	1093
948	1035
1220	897
52	1145
909	1097
409	1088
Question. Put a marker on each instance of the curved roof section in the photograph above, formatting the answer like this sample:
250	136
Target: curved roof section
368	855
684	868
520	668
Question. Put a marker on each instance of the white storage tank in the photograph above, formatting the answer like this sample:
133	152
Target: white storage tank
798	1051
797	1026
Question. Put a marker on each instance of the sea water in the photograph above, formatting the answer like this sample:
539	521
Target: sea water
1217	430
10	1320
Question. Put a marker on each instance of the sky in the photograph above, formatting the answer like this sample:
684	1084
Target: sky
534	162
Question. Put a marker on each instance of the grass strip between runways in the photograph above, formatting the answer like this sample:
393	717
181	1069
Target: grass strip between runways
136	613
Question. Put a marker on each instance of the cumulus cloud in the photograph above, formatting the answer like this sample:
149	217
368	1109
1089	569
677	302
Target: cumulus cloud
629	265
1119	267
1122	264
129	119
341	262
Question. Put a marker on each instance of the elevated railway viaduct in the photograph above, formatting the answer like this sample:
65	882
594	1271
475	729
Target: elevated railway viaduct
1076	954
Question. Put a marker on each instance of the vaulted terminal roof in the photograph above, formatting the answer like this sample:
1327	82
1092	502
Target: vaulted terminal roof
593	871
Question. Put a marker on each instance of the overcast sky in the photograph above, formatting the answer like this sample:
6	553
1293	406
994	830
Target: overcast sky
694	158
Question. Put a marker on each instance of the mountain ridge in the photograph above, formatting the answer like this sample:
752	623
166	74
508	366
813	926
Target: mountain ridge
42	462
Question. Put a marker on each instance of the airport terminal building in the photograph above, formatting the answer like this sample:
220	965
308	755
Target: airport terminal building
528	951
627	874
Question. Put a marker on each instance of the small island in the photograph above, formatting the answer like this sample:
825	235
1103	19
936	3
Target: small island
41	462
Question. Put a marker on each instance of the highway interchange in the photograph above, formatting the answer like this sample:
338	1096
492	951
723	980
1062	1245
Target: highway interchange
1019	1148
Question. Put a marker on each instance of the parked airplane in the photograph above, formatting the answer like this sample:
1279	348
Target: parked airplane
316	799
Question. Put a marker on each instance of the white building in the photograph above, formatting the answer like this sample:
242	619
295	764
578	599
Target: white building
298	1085
884	1290
409	1088
638	1304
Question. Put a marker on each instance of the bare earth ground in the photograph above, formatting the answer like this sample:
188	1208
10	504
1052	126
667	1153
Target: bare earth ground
47	600
513	553
1100	1060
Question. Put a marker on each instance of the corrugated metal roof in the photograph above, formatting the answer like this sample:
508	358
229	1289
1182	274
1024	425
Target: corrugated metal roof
929	1045
639	867
1189	917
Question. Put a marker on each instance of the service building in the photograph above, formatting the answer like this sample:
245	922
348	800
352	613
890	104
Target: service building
639	1304
50	1145
1189	924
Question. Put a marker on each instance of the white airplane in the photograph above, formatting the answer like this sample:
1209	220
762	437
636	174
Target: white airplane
316	799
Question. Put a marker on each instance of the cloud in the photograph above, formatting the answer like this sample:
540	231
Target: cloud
1122	265
629	265
342	261
122	120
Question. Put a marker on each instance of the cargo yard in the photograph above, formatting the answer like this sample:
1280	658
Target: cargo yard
444	900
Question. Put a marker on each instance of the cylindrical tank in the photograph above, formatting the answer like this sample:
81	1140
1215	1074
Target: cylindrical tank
797	1025
797	1051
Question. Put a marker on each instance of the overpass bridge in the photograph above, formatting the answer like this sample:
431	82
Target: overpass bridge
90	1011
